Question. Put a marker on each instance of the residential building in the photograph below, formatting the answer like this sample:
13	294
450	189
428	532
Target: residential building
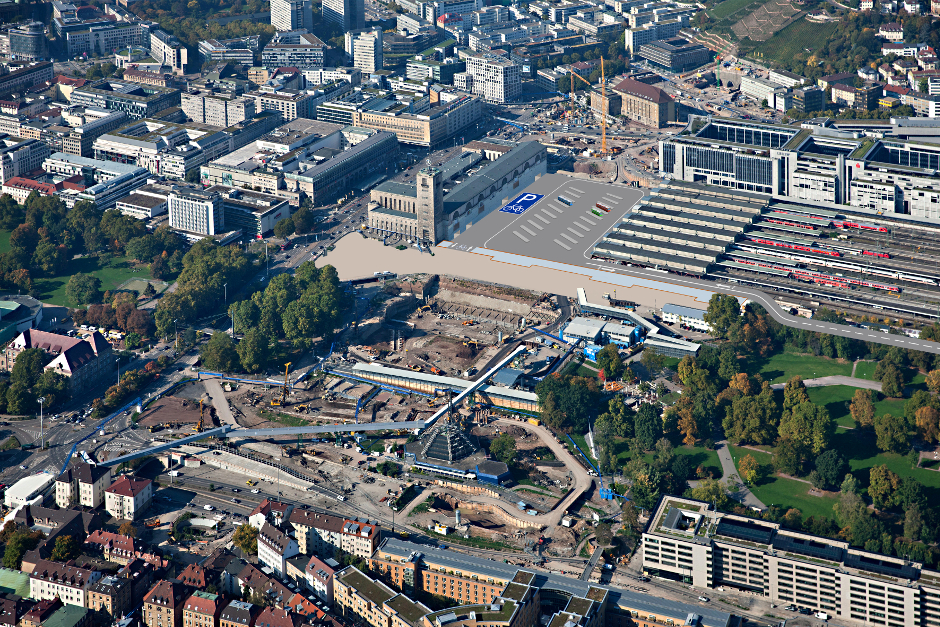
361	598
675	54
270	511
423	212
24	77
891	31
216	108
289	103
289	15
85	362
831	80
193	576
128	497
323	534
319	576
112	595
82	484
364	49
279	617
39	613
13	607
114	547
137	101
645	104
167	50
203	609
239	614
69	616
70	584
163	605
274	548
495	78
347	14
297	49
19	156
241	50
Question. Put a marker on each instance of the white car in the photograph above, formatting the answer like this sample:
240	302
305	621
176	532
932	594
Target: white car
256	491
208	508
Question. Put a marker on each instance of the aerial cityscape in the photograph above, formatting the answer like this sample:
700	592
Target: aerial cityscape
470	313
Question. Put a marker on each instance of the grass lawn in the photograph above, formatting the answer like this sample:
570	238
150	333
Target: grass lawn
781	367
5	241
866	370
785	492
111	273
836	400
726	8
698	456
860	450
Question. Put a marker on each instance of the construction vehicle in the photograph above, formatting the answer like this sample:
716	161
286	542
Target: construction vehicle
416	368
474	343
468	323
283	400
198	426
425	308
436	370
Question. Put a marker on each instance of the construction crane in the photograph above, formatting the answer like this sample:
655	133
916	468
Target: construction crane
603	103
286	383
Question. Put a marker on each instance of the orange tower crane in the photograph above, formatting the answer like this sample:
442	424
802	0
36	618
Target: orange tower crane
603	104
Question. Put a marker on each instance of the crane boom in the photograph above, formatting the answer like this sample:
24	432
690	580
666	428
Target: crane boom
603	104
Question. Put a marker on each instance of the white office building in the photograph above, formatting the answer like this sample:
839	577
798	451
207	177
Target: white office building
494	78
347	14
196	211
288	15
686	316
364	48
168	50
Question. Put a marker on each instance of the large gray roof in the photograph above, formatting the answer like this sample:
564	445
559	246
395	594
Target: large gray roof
481	181
645	602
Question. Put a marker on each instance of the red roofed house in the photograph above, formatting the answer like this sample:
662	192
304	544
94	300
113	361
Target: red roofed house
274	617
203	609
194	575
69	583
271	511
84	362
40	612
112	546
645	104
163	605
128	497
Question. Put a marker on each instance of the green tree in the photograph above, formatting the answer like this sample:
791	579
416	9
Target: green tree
503	448
219	353
20	400
254	351
862	408
608	360
749	468
246	538
710	491
648	425
18	544
751	419
192	175
284	228
892	383
128	529
790	456
83	289
831	466
303	220
65	549
645	490
794	393
603	534
28	367
892	433
883	483
723	314
808	424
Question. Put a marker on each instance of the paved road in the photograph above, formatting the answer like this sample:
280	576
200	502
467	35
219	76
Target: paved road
224	412
836	380
592	563
743	495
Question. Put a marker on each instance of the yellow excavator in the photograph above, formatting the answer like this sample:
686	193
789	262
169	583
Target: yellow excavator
283	399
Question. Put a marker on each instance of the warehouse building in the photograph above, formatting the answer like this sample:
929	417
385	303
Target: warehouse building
820	164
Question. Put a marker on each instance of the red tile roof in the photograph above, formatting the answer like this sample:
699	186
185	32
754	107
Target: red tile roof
273	617
126	486
642	90
194	575
113	542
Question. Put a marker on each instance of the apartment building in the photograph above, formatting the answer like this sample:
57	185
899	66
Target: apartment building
111	595
196	211
495	78
280	617
70	584
319	577
19	156
216	108
163	605
203	609
113	547
364	49
274	548
82	484
239	614
323	534
360	598
290	103
347	14
40	612
127	498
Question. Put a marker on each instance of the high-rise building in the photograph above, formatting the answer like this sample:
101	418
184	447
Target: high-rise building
301	50
288	15
364	48
348	14
168	50
28	42
495	78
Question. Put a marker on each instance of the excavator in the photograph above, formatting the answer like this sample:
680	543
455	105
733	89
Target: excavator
283	400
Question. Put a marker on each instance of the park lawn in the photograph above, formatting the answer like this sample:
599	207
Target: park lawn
836	399
726	8
781	367
582	444
785	492
866	370
5	241
698	456
112	273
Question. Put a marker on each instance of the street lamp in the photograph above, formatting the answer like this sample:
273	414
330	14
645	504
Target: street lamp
42	438
176	331
226	293
117	360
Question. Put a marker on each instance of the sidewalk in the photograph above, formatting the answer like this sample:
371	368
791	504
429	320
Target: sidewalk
739	491
836	380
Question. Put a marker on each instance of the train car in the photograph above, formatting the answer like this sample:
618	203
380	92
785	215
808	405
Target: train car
794	246
800	217
873	254
790	223
848	224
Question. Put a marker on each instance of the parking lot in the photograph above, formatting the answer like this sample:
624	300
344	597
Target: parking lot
551	228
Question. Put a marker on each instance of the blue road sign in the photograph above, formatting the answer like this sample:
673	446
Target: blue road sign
523	202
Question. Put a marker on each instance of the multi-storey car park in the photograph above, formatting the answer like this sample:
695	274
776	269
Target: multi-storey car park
843	256
688	541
